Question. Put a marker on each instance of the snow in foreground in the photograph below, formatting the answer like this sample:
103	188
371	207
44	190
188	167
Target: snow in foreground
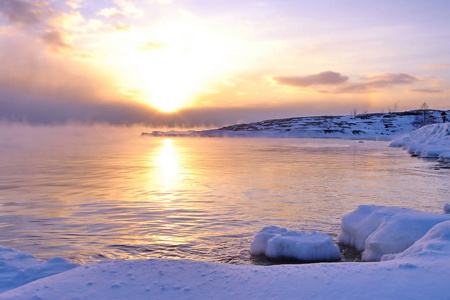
18	268
431	141
419	272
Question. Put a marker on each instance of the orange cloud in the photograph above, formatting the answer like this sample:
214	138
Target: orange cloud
374	83
323	78
122	27
125	9
74	4
436	66
152	46
426	91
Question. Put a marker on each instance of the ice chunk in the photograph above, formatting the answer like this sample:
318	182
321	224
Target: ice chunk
277	242
259	244
380	230
435	241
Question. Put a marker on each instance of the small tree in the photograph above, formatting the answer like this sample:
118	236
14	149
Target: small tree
424	108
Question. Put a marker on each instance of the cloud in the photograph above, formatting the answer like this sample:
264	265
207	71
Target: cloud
160	1
55	40
18	108
335	83
152	46
25	13
124	9
15	108
111	12
76	24
426	91
49	24
122	27
34	18
377	82
436	66
323	78
74	4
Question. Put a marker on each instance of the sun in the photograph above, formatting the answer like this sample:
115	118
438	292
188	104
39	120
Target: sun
173	78
168	65
174	66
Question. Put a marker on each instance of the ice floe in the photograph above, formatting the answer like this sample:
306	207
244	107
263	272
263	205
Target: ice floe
434	243
380	230
275	242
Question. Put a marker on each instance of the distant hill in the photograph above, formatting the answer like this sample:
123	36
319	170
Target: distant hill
378	126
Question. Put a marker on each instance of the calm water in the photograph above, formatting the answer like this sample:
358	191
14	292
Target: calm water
90	194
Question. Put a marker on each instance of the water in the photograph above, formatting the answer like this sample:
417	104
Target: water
90	194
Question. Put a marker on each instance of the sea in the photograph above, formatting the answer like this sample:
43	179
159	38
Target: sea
92	193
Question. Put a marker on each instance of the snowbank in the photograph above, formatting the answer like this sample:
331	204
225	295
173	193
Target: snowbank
380	230
275	242
403	278
428	141
18	268
419	272
447	208
435	243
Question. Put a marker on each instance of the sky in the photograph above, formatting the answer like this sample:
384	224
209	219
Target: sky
198	63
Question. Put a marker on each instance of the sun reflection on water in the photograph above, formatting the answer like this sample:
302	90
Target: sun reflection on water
167	162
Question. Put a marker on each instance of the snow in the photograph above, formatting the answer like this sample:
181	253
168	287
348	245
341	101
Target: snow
434	243
375	126
18	268
275	242
447	208
418	272
430	141
380	230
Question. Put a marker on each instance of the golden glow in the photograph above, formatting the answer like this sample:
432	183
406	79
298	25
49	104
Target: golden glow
167	161
167	66
179	67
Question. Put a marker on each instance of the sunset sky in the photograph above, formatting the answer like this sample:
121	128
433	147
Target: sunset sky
212	63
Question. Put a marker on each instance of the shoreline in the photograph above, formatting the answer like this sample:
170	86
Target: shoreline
419	272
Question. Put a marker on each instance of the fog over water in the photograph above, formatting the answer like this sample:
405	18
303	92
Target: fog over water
94	193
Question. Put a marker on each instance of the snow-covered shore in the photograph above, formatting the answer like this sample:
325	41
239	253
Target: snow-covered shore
406	278
419	272
375	126
430	141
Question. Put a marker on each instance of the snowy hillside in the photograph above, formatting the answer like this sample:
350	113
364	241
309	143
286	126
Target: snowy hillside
375	126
